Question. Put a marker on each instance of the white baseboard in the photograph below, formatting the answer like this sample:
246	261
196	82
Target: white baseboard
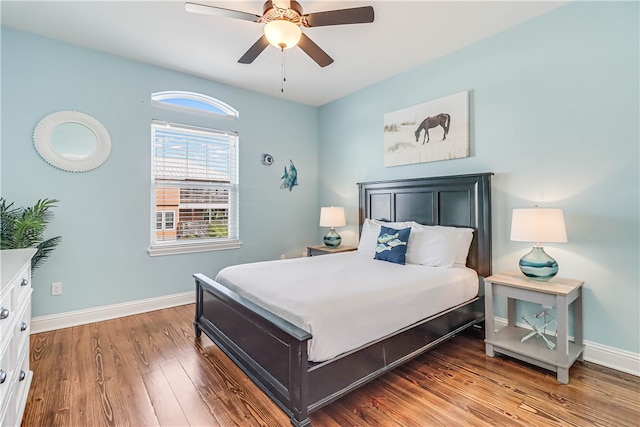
82	317
611	357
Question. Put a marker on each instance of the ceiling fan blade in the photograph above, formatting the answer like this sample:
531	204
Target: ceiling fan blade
219	11
314	51
356	15
254	51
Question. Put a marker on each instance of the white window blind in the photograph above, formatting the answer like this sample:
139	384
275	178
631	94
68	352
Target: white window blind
195	177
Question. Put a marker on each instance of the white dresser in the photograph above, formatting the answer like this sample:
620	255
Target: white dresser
15	321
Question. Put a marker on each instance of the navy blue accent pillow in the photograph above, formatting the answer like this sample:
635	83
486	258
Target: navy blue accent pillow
392	244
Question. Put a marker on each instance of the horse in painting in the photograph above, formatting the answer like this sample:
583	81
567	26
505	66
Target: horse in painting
442	119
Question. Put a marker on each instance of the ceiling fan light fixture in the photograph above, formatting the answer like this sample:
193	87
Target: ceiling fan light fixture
282	33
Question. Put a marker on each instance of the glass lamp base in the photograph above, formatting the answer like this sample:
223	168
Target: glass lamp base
538	265
332	239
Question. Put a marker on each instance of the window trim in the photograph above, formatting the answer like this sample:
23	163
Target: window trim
190	247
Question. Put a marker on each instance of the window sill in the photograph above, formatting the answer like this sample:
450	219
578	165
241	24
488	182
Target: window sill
189	248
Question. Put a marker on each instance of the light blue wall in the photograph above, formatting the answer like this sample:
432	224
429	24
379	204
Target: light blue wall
554	114
103	215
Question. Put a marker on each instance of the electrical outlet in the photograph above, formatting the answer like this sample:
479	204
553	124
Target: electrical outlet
56	288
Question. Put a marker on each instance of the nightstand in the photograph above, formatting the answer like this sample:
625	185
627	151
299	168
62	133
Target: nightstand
562	294
324	250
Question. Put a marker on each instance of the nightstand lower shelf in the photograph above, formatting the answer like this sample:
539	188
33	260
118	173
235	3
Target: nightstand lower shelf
534	350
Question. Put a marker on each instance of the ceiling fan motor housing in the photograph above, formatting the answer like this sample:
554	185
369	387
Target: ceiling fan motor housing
272	13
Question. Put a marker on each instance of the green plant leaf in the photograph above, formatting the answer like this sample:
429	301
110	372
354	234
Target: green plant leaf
24	228
44	249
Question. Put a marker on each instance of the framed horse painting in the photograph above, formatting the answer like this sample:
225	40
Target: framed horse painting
428	132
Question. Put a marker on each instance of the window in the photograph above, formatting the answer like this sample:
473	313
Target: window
195	102
168	220
165	220
194	189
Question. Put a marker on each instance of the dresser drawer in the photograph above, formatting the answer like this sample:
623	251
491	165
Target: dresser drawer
22	286
7	313
22	329
21	385
6	376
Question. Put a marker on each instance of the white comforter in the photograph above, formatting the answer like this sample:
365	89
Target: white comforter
347	300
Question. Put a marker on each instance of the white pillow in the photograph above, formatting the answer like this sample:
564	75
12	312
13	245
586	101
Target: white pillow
465	236
431	246
438	246
368	238
371	231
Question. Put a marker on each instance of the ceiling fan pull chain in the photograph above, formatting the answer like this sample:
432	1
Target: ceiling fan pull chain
284	77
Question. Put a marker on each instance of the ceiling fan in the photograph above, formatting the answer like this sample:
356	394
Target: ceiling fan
283	20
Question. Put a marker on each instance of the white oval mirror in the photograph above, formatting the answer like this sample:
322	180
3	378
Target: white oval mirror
72	141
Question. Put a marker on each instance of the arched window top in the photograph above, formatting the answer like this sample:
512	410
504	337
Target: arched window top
194	101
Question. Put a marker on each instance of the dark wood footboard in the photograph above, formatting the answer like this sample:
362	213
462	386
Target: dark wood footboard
270	350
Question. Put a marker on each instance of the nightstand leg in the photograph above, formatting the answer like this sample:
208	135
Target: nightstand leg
511	311
489	320
488	349
563	375
577	324
563	338
562	328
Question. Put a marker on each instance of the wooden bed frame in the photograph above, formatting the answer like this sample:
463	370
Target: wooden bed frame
273	352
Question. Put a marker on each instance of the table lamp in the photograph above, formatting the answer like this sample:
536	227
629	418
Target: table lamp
538	225
332	217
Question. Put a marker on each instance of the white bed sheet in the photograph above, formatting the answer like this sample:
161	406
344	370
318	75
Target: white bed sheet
347	300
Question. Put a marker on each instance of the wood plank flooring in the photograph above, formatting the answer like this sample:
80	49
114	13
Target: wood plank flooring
149	370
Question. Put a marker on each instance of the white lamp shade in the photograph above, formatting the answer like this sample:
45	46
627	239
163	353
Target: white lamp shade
538	225
282	34
332	217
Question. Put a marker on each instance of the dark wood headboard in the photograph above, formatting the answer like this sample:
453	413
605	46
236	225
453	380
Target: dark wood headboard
459	201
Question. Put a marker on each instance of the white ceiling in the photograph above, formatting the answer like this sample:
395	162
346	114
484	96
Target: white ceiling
403	35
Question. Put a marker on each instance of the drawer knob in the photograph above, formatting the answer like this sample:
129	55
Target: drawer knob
4	313
22	376
23	326
3	376
24	282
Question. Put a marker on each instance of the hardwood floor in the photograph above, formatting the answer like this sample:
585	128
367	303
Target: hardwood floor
149	369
